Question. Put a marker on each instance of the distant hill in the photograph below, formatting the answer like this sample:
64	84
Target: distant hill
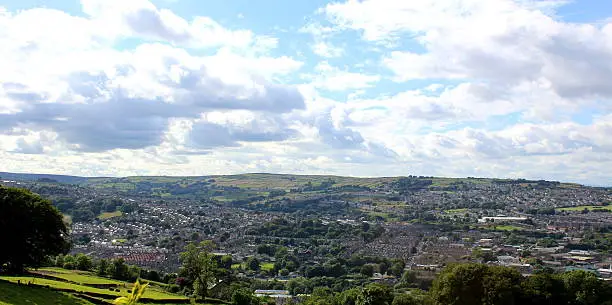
43	178
262	180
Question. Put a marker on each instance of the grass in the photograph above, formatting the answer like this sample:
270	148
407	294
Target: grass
107	215
588	207
150	293
456	211
266	266
506	228
57	284
75	276
12	294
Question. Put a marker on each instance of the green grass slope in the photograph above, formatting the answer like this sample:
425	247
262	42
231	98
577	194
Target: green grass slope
13	294
73	287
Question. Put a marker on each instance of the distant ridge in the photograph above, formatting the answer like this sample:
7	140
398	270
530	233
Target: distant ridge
35	177
69	179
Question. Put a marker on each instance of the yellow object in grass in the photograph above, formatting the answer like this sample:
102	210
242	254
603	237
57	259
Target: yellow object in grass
137	292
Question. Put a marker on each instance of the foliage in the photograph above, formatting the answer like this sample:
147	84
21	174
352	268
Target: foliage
37	229
413	298
199	266
471	284
494	285
137	291
244	296
375	294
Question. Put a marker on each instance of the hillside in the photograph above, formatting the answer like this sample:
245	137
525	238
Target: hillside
61	286
13	294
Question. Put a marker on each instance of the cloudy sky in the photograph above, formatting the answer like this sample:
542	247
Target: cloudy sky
488	88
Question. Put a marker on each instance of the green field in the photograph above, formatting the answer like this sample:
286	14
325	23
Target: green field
588	207
456	211
107	215
150	293
76	276
12	294
506	228
76	281
266	266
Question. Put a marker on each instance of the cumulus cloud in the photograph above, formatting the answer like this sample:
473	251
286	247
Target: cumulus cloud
334	79
452	88
142	18
98	99
25	147
231	128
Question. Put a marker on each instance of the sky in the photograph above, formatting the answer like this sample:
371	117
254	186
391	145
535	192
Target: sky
454	88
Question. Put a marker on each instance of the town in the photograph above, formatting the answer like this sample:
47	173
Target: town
286	228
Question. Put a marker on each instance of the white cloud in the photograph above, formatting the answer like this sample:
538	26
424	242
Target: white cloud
194	96
142	18
334	79
96	98
325	49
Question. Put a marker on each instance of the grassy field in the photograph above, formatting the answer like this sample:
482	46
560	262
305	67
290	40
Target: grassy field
266	266
79	280
12	294
588	207
506	228
456	211
75	276
107	215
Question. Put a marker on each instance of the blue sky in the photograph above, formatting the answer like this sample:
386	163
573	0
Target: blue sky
502	88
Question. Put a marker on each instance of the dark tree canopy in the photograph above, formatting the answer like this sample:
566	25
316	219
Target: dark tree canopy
31	230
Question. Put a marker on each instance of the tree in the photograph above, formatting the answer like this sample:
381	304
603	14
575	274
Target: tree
32	230
252	263
375	294
543	288
83	262
367	270
397	268
409	278
59	261
471	284
349	297
102	267
226	262
69	262
584	288
133	272
118	269
199	265
321	296
244	297
407	299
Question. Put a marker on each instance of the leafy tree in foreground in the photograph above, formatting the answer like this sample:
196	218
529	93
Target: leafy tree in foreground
199	266
583	288
470	284
31	230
